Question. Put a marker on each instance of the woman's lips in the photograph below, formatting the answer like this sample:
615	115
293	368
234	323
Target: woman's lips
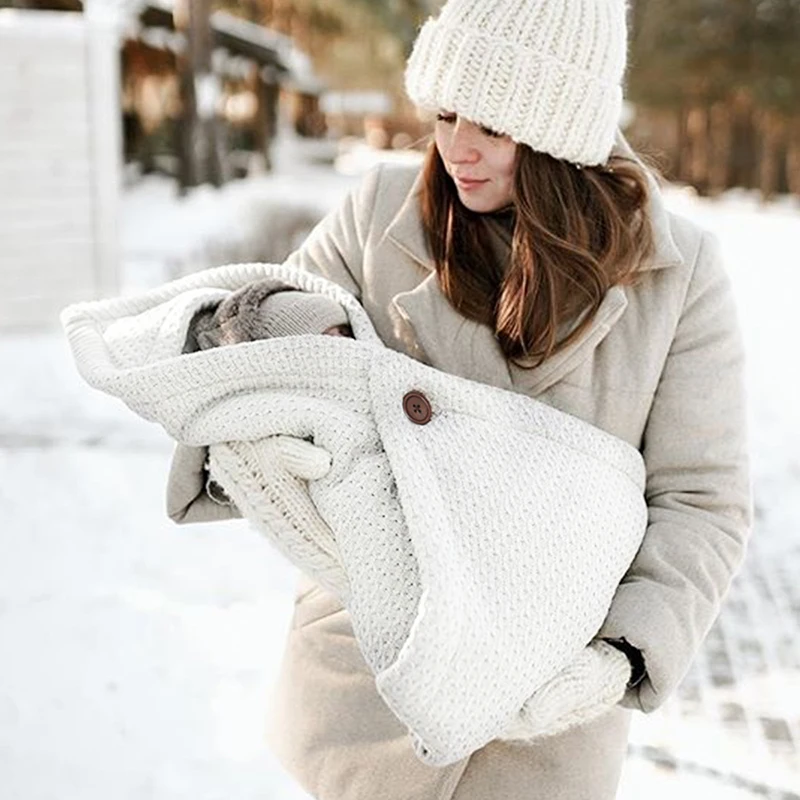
468	184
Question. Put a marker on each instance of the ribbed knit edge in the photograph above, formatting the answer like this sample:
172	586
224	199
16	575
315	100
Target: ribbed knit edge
85	323
546	104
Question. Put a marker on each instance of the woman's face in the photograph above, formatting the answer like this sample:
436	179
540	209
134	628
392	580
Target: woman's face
480	162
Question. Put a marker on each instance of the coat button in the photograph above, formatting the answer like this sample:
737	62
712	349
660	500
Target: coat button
417	408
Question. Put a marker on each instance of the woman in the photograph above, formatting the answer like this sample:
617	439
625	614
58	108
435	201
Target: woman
533	252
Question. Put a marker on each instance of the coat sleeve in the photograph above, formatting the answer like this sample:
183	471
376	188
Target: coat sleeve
698	489
335	248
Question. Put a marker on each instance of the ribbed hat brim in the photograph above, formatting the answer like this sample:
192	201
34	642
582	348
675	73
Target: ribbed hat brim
535	99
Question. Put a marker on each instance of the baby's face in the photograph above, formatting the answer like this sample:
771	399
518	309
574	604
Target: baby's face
340	330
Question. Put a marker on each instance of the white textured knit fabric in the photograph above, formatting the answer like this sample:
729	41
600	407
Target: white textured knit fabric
478	553
546	72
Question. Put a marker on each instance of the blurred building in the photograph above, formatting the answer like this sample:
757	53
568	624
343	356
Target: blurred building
59	163
83	89
251	66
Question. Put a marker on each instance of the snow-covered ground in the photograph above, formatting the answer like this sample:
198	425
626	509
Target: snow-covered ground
136	657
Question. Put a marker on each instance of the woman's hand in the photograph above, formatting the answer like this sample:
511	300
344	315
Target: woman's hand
584	690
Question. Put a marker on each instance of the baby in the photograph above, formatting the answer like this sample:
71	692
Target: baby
259	311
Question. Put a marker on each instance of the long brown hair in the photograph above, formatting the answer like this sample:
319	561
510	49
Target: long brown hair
576	232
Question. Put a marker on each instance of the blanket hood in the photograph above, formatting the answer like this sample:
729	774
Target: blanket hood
132	347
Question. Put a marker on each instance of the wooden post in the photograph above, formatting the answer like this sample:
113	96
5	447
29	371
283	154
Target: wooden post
265	86
200	139
187	122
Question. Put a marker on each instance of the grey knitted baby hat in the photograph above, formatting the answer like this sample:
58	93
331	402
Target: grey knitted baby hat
263	310
546	72
291	313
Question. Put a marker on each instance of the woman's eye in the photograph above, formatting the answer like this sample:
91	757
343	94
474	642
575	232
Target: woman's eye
449	118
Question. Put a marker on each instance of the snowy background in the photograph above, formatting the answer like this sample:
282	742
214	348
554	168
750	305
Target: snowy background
137	657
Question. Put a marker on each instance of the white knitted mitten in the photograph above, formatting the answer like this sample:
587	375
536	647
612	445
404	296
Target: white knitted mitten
591	685
267	480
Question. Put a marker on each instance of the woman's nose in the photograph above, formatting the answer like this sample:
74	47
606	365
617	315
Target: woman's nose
461	147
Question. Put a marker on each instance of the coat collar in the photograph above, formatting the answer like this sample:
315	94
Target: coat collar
405	230
438	334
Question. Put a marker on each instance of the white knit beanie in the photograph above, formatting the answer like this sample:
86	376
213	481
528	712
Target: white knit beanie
546	72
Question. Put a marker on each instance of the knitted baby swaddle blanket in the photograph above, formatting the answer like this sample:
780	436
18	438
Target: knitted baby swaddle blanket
476	553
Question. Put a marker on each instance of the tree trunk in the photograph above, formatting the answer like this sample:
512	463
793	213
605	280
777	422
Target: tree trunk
793	157
697	133
682	150
771	128
721	141
744	155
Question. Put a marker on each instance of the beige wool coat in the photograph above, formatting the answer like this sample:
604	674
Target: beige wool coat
660	367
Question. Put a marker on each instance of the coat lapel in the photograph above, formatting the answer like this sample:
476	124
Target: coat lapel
539	379
460	346
450	341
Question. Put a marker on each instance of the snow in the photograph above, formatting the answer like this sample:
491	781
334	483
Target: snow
138	656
